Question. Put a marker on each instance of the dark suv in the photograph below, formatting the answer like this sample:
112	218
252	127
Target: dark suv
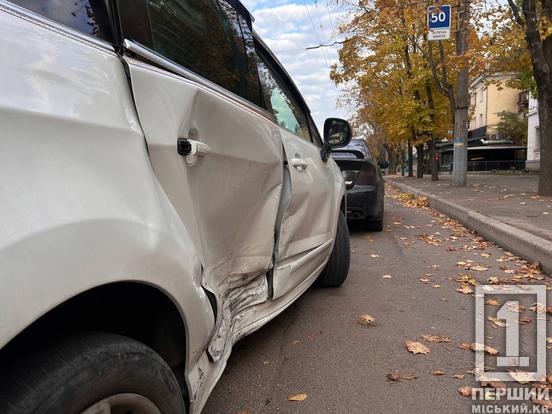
364	182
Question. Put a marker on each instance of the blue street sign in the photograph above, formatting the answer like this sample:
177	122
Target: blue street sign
438	17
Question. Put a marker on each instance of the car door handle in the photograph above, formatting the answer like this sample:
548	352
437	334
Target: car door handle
191	149
299	163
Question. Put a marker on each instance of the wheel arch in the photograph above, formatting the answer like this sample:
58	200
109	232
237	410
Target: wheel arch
133	309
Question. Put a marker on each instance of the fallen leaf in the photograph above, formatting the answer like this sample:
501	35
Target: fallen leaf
398	376
497	322
465	346
459	376
366	320
436	338
436	286
297	397
417	347
374	256
424	280
521	377
493	280
438	373
492	302
296	342
465	391
465	289
386	276
544	403
480	347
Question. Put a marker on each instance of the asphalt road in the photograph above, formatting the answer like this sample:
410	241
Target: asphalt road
317	347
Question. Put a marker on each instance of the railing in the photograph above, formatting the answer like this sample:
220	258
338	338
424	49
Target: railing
515	165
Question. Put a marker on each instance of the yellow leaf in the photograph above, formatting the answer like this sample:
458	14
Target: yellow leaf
520	376
436	338
465	289
438	373
459	376
417	347
465	391
297	397
497	322
366	320
492	302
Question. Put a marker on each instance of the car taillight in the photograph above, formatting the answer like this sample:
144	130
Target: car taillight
367	175
349	177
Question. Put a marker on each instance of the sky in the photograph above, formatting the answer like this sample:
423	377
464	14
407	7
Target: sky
290	26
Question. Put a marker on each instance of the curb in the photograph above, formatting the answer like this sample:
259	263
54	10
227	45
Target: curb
521	243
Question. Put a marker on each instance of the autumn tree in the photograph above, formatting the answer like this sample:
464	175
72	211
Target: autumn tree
383	62
534	17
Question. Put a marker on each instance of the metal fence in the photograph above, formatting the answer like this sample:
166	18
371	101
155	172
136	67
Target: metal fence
494	165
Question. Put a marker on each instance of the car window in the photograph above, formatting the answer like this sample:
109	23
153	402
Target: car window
210	38
86	16
279	101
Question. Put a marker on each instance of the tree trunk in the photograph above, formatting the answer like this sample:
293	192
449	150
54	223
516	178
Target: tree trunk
410	159
421	161
434	161
460	157
545	132
432	154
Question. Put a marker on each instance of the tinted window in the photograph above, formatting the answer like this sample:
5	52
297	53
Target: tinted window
210	38
87	16
279	101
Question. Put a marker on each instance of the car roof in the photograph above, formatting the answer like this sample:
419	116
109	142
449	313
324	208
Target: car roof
357	146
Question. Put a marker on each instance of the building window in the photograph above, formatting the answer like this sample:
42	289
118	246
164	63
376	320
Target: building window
481	95
480	120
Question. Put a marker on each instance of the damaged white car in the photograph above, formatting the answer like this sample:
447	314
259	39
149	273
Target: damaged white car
164	192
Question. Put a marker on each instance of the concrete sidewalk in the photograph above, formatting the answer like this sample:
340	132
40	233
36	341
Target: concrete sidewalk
503	208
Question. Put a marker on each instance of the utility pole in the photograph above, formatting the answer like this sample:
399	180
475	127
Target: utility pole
460	158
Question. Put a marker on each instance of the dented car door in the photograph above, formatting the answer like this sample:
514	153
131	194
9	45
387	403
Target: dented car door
217	155
309	211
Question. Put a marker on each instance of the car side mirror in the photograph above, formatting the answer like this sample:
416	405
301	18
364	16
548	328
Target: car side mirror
337	134
383	164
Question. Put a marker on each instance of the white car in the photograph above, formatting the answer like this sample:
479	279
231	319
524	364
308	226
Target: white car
164	192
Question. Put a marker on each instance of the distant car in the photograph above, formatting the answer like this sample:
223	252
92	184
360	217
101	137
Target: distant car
364	183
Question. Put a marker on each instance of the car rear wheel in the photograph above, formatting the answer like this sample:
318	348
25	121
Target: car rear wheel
337	268
91	373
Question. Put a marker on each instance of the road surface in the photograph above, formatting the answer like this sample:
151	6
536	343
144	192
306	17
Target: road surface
318	348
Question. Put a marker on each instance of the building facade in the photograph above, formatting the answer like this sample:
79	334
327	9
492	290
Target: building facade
487	150
533	138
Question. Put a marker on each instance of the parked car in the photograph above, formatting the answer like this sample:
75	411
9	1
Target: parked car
364	181
164	192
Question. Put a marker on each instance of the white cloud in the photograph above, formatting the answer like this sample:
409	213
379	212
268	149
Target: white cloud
287	29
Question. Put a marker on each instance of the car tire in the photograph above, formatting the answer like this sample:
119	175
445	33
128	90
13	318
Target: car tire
374	225
337	268
80	373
